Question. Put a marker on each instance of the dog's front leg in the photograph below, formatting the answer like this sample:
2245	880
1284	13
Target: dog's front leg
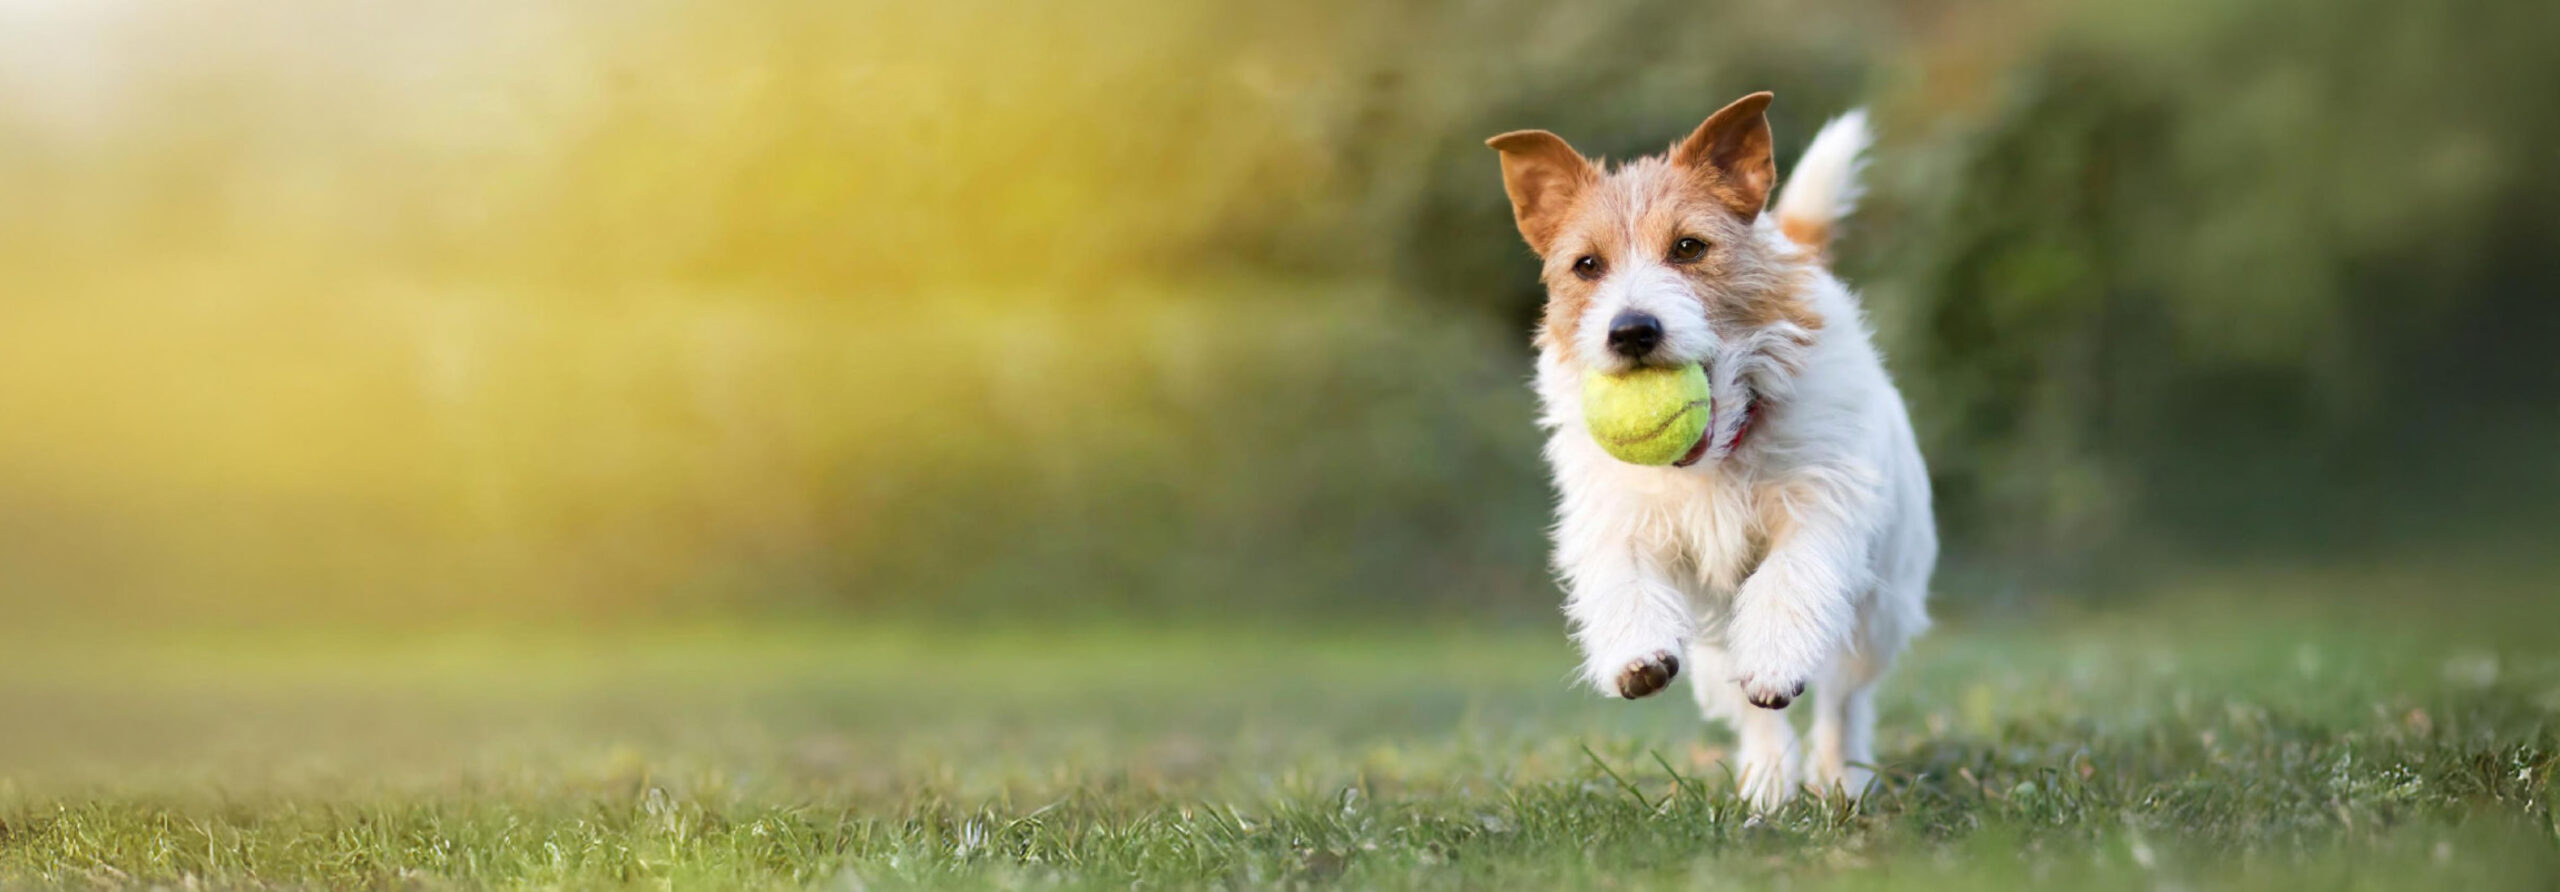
1630	620
1795	612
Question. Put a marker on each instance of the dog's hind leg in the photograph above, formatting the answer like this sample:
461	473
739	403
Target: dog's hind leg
1843	747
1844	726
1765	761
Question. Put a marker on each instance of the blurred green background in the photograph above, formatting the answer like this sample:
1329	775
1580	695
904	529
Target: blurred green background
1088	444
376	313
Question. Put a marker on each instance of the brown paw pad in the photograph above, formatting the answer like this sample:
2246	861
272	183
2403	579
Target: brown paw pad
1773	699
1645	677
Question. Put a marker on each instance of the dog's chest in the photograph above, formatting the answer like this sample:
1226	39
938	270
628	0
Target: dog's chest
1711	529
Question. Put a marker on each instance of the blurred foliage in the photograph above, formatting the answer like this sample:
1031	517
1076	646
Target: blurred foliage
1159	305
2251	274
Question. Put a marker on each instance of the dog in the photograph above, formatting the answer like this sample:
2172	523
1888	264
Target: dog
1792	545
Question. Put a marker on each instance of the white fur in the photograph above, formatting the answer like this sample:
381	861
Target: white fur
1654	288
1686	560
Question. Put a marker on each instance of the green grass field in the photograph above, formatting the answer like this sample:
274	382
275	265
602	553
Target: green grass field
2235	734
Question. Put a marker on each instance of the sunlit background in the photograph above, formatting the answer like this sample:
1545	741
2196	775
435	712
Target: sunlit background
673	349
397	312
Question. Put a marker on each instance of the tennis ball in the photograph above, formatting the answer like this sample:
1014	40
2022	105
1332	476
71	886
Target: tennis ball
1647	416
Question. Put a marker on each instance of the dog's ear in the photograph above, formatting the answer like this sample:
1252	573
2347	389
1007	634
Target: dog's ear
1544	176
1734	143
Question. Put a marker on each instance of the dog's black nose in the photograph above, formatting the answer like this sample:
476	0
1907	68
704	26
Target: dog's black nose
1634	334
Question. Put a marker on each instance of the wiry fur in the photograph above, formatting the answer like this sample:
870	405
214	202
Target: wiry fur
1800	555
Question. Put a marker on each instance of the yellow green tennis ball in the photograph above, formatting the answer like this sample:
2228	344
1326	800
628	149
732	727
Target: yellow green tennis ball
1647	416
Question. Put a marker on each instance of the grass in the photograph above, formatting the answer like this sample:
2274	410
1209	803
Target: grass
2231	735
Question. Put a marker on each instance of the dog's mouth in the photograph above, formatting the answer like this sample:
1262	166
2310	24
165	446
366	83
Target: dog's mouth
1699	451
1706	438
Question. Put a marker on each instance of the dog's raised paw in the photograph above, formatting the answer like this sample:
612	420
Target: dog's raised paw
1769	695
1645	677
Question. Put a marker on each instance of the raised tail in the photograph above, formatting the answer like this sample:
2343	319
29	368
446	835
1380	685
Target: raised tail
1824	187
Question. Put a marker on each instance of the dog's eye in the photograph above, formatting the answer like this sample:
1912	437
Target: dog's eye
1587	266
1688	250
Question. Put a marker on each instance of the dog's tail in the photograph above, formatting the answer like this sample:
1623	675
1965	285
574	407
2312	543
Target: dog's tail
1825	185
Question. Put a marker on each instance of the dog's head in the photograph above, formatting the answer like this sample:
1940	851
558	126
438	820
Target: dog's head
1663	260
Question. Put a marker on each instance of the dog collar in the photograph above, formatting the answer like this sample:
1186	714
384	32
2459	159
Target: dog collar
1750	410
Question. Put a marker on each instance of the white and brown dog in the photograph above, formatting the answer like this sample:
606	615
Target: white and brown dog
1793	544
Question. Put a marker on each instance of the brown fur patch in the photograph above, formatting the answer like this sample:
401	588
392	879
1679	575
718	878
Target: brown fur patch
1734	142
1815	237
1546	180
